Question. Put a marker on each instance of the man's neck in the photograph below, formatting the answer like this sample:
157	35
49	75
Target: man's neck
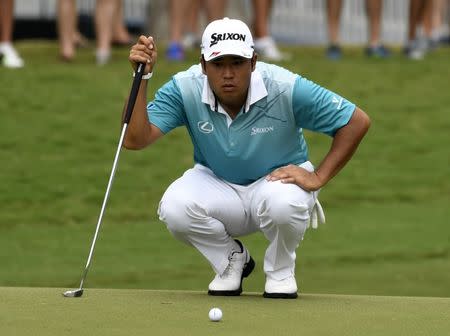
233	109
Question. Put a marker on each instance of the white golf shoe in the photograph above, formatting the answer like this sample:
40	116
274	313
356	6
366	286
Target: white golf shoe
230	282
281	289
9	56
102	56
268	50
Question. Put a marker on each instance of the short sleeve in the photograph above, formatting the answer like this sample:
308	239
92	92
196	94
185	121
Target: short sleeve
166	111
318	109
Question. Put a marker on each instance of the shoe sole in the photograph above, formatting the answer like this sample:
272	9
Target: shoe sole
280	295
248	269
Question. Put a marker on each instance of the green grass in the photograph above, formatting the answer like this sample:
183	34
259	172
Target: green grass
387	230
33	311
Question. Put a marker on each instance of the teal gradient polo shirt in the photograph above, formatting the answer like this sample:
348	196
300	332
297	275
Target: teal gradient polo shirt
267	132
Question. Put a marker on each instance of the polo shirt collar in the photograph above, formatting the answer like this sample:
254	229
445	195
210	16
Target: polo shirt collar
256	91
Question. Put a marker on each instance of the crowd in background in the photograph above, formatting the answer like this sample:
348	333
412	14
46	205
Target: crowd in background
425	16
109	26
184	26
109	22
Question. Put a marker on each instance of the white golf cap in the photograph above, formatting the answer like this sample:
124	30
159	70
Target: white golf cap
227	37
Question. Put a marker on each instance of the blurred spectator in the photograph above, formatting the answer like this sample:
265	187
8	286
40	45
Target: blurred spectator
443	22
69	36
264	44
431	23
438	11
183	17
177	12
428	15
121	35
191	34
109	24
373	12
110	28
420	14
8	55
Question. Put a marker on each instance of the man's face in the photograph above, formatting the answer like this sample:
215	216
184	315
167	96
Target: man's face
229	78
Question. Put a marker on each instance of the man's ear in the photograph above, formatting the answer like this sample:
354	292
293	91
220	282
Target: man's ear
253	61
203	63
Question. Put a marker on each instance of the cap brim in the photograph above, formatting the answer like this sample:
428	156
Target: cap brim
220	53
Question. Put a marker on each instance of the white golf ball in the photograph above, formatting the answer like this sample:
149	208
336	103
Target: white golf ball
215	314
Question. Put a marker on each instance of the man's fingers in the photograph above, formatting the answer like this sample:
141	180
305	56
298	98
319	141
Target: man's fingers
141	54
148	42
141	48
151	44
277	174
144	51
145	47
288	180
145	40
140	57
144	44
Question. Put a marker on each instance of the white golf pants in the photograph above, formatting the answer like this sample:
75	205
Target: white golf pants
206	212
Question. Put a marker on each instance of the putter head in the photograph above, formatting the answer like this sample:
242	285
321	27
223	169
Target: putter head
73	293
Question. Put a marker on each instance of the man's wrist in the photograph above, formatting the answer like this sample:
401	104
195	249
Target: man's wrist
321	180
146	76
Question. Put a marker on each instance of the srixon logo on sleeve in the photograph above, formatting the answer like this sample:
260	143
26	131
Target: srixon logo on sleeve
215	38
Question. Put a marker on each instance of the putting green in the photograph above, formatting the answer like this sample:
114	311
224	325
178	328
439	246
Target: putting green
44	311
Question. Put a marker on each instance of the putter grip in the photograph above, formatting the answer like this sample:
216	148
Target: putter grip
134	92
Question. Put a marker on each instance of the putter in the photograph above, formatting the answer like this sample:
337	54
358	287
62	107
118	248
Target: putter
131	101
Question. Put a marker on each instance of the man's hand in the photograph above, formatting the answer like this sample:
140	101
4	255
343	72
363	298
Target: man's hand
306	180
144	51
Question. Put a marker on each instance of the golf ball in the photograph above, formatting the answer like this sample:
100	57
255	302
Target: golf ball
215	314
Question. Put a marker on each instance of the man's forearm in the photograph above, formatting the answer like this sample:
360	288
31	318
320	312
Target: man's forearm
138	128
344	145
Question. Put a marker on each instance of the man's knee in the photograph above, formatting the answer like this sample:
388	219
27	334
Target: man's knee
178	213
284	209
184	216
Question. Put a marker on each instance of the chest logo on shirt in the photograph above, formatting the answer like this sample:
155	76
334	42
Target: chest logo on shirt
205	127
261	130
